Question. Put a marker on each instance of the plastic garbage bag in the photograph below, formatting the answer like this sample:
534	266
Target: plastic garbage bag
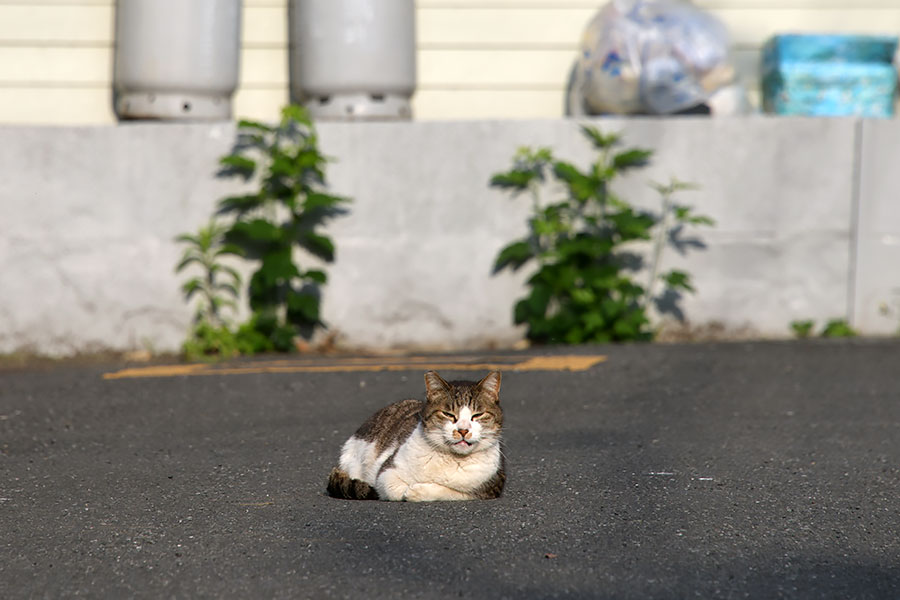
649	56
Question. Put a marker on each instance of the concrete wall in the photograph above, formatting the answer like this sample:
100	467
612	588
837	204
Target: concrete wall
808	226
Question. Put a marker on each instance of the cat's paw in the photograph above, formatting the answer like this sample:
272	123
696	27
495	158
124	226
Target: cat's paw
431	492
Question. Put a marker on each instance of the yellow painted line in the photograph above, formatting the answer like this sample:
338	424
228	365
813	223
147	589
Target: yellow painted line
349	365
165	370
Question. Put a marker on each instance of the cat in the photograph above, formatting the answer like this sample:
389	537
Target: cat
445	448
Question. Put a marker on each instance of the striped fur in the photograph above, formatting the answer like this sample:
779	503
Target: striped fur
341	485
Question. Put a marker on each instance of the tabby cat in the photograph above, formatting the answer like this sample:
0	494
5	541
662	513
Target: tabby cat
445	448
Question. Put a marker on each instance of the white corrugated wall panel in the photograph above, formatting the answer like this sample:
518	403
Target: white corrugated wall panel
476	58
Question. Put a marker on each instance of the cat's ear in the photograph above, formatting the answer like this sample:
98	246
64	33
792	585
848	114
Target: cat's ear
435	386
490	385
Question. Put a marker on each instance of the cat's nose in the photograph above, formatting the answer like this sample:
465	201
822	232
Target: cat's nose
463	432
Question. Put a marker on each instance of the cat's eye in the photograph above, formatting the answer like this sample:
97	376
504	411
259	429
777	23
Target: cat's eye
477	415
449	415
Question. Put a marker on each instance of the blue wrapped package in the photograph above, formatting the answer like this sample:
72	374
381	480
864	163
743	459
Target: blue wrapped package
829	75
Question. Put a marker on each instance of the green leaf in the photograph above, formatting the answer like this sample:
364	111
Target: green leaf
567	171
317	201
227	287
701	220
315	275
235	275
624	330
283	339
265	321
581	186
191	287
559	276
593	320
534	306
188	259
601	337
239	164
631	225
187	238
521	313
548	226
229	249
254	126
516	180
678	280
583	296
309	159
278	267
218	302
271	279
838	328
802	329
515	255
283	166
612	309
539	299
241	204
673	186
543	331
599	140
247	139
584	248
257	230
250	340
631	159
681	213
207	342
629	290
295	113
264	295
318	245
262	230
563	323
531	159
574	336
684	214
303	308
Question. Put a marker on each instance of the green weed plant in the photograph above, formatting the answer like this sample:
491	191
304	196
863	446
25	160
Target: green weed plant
586	286
833	328
269	226
214	289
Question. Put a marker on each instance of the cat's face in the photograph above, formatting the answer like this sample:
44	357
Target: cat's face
462	417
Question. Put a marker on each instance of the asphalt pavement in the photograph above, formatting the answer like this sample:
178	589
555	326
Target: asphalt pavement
740	470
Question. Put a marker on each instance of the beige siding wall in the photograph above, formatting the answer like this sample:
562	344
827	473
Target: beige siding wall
476	58
56	60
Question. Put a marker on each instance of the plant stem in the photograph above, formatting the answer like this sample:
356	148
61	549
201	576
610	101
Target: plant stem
536	241
658	244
